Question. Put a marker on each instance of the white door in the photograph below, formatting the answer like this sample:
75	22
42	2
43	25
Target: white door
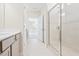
54	18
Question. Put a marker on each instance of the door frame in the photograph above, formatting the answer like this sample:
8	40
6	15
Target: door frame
41	23
43	29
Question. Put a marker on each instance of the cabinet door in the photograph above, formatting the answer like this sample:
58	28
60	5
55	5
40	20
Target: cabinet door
6	52
15	48
54	16
70	30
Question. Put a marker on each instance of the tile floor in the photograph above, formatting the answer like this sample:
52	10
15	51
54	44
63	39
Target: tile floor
37	48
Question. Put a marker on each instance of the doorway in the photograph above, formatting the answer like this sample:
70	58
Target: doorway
35	28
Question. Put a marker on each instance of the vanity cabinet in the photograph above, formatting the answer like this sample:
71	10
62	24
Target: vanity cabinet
10	46
6	52
7	42
15	46
15	49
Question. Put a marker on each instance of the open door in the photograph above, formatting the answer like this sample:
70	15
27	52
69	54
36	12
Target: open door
54	24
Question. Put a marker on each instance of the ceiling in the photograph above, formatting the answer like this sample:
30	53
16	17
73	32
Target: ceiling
35	6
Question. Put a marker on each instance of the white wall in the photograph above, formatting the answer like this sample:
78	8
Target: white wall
70	29
14	16
1	16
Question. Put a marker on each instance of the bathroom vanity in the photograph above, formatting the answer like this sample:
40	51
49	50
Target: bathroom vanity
10	43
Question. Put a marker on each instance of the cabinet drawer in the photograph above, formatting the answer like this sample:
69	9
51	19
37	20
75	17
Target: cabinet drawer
15	48
6	43
6	52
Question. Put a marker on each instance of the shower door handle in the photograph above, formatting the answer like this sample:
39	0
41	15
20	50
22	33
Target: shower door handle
58	27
